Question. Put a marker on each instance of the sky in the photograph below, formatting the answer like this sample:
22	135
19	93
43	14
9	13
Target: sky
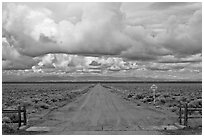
149	40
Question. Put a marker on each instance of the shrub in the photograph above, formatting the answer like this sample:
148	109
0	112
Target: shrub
26	102
12	116
196	113
161	100
182	99
176	94
129	95
6	119
151	96
173	98
199	97
174	109
157	94
8	128
71	95
195	103
43	105
166	95
144	100
170	105
139	96
54	100
35	100
149	99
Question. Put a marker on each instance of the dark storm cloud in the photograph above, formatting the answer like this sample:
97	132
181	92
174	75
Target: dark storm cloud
197	58
46	39
74	36
9	65
103	30
166	5
180	61
158	69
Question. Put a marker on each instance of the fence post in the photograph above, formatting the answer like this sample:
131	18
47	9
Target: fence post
180	114
24	115
186	115
19	116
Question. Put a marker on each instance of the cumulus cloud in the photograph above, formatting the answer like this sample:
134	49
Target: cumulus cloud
12	59
97	32
166	5
102	30
197	58
71	63
183	39
94	63
101	37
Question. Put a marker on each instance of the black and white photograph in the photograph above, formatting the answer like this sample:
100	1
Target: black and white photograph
101	68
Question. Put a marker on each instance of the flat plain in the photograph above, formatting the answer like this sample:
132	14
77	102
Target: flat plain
103	108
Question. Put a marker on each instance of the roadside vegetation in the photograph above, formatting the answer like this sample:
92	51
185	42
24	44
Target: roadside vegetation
39	100
168	96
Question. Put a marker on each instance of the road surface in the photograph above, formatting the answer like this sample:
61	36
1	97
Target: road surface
100	111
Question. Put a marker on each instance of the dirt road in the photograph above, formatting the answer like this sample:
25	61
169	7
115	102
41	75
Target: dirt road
101	112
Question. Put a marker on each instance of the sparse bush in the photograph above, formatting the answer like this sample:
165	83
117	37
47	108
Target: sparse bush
150	96
176	94
173	98
166	95
157	94
12	116
199	97
139	96
35	100
184	99
195	103
26	102
54	100
175	104
150	99
174	109
170	105
144	100
42	105
163	100
196	113
6	119
129	95
8	128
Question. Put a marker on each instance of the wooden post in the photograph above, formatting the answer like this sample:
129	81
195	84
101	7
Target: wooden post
180	114
186	115
154	96
19	116
24	115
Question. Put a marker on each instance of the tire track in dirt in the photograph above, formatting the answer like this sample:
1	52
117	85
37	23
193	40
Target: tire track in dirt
102	111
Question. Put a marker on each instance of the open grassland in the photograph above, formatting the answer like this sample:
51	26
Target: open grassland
39	99
38	95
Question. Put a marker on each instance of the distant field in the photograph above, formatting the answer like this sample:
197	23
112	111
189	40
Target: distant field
168	92
39	99
44	96
36	93
13	93
183	88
